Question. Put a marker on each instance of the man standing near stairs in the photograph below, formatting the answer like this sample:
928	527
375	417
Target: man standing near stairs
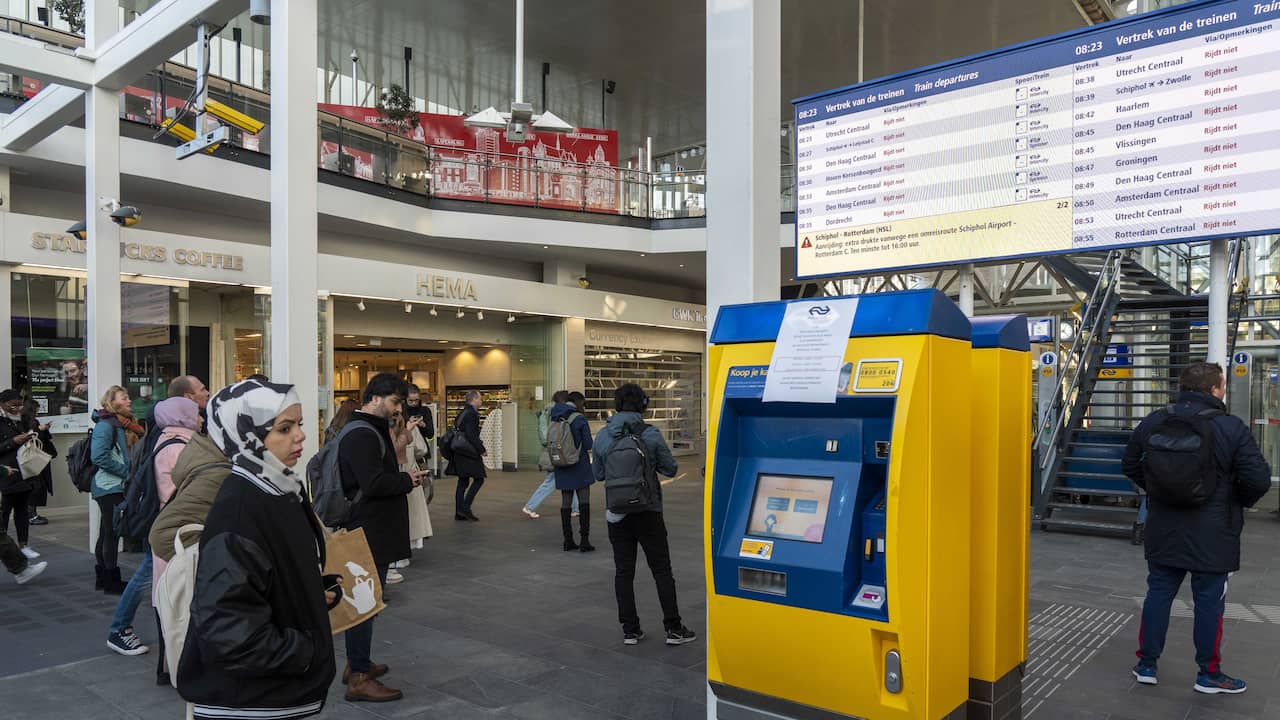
1200	468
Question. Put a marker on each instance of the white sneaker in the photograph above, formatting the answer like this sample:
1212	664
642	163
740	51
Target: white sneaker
394	576
33	569
31	554
400	564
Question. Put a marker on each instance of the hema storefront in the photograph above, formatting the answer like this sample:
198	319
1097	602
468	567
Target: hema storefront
202	306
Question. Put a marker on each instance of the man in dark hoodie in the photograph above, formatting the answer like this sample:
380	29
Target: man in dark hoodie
1201	539
645	529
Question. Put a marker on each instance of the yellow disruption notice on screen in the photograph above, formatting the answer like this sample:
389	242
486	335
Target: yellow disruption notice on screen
1024	229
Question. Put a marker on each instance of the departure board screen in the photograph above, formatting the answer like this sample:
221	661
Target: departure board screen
1160	128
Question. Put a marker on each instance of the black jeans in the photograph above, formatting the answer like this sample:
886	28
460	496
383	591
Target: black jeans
582	495
648	531
463	497
108	545
360	638
16	503
13	559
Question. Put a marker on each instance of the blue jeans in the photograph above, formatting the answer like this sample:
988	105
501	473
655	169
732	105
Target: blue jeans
1210	594
360	638
139	587
544	490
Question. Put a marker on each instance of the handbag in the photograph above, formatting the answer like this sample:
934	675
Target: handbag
33	458
347	554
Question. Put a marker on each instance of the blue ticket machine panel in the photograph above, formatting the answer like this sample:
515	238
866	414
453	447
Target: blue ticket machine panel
802	523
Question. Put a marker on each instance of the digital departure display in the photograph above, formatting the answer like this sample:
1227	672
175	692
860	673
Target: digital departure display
790	508
1151	130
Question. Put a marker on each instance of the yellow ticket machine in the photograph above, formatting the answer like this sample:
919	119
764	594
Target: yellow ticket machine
1001	513
838	533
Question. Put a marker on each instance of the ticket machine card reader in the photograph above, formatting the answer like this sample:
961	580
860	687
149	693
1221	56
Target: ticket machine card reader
871	593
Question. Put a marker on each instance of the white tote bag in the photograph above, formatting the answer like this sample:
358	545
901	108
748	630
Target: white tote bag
32	458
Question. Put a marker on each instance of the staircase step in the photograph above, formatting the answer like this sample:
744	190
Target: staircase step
1097	492
1083	459
1091	525
1097	445
1089	475
1135	404
1093	508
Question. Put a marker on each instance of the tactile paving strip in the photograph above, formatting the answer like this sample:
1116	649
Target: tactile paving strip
1061	639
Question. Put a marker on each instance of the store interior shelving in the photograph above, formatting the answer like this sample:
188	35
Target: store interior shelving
673	381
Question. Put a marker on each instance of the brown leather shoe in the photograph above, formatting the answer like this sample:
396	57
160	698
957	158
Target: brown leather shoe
377	671
364	687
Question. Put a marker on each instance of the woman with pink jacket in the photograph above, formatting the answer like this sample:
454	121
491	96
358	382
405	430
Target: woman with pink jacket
178	419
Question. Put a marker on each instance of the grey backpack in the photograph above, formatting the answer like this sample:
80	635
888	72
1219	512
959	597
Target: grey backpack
328	492
562	447
630	478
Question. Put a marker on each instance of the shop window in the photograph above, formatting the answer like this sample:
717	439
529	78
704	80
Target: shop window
673	381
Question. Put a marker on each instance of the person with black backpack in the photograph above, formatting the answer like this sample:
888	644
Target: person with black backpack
175	421
628	456
1200	468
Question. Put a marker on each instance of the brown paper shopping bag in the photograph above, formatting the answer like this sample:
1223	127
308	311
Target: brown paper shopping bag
347	554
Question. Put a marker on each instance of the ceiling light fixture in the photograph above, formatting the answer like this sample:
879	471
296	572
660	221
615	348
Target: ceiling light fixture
461	313
434	313
361	306
408	307
511	319
480	315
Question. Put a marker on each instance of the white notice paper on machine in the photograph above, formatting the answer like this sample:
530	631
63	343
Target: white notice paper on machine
810	351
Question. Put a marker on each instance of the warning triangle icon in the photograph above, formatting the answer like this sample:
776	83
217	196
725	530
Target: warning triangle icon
806	244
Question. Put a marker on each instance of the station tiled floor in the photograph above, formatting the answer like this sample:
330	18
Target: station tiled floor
495	621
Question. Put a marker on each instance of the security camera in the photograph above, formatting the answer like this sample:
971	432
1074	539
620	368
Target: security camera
260	11
80	230
231	116
584	282
126	216
355	57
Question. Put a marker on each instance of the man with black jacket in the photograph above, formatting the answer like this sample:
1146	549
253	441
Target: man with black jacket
1202	539
371	475
467	462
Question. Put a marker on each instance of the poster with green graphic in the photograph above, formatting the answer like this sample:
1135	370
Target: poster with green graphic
59	380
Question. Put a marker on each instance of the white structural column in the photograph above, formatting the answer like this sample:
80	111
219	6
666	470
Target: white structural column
744	97
102	257
1219	296
966	289
102	185
294	249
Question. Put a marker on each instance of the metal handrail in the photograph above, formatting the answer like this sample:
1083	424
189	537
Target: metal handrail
1082	347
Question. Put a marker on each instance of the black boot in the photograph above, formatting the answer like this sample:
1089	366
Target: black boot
584	524
566	524
113	584
100	577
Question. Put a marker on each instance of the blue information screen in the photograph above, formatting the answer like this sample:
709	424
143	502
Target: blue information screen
1161	128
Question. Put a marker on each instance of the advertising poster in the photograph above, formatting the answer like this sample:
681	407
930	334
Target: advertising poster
146	312
59	380
571	171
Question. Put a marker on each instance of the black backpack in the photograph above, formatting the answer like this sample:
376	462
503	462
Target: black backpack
324	475
80	463
1177	458
134	517
630	479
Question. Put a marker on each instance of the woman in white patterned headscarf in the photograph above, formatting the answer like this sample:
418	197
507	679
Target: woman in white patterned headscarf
259	637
